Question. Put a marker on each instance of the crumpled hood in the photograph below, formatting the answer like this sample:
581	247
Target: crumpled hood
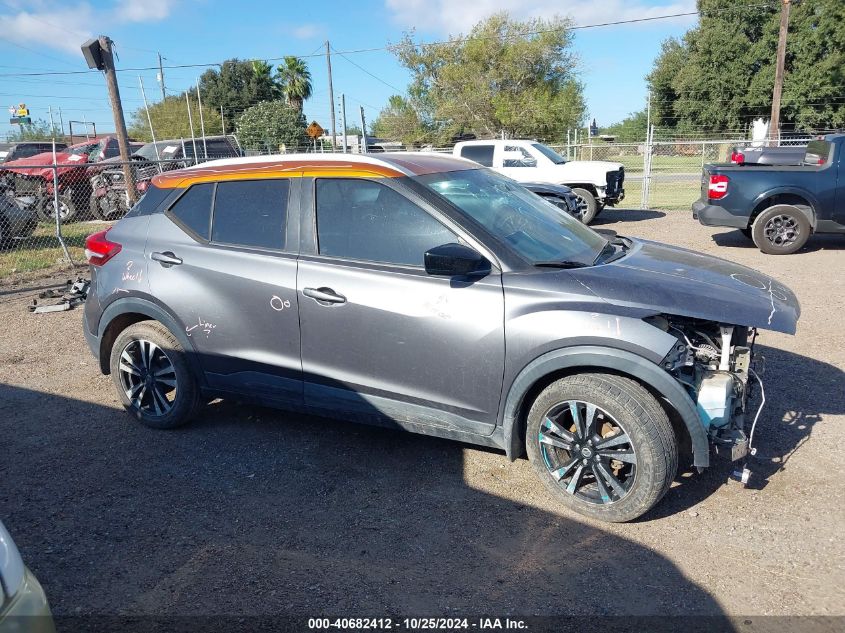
36	165
673	280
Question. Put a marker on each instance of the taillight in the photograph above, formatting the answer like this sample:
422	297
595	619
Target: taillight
718	187
99	249
737	158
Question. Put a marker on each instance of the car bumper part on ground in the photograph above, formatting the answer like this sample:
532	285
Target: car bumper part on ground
28	611
711	215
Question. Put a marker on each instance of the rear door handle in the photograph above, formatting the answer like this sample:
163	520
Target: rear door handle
166	259
324	295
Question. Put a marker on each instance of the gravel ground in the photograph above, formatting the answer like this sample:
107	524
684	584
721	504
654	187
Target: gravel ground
253	511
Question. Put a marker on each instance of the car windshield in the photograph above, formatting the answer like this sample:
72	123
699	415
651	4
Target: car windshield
536	229
81	150
549	153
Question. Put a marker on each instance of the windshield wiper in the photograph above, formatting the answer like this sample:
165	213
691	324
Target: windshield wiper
567	263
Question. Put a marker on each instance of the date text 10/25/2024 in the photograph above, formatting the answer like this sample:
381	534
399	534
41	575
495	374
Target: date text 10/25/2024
416	624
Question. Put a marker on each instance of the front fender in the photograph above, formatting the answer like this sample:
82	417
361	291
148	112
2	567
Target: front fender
594	358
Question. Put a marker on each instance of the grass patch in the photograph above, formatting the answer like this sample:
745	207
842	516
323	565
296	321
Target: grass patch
677	195
42	250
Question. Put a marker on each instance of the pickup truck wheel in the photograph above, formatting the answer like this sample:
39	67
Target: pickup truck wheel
591	205
780	230
602	445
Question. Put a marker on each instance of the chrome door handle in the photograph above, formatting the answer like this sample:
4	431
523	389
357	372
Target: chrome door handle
324	295
166	259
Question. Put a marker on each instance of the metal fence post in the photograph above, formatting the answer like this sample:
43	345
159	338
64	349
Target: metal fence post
56	208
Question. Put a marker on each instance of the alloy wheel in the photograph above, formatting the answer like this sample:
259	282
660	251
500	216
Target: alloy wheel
587	452
148	378
782	230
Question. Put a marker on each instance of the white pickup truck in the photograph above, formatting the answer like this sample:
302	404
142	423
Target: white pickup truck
596	182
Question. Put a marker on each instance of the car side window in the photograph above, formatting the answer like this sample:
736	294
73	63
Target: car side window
526	161
482	154
193	209
251	213
366	220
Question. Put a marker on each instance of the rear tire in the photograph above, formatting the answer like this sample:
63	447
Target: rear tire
781	230
591	205
622	466
154	381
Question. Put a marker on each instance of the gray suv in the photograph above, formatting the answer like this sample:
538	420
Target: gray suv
427	293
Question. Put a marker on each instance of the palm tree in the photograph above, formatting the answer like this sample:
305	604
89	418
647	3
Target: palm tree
295	81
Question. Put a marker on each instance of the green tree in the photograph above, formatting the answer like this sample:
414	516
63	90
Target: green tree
294	80
170	119
269	125
721	75
263	74
631	129
398	121
236	86
506	75
38	130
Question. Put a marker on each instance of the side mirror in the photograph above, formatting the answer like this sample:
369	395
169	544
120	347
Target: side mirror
455	260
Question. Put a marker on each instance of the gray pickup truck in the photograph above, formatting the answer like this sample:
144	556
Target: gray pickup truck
778	206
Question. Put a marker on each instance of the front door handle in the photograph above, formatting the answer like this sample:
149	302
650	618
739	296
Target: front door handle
324	295
166	259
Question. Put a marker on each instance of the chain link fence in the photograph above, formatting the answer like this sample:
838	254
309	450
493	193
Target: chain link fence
661	174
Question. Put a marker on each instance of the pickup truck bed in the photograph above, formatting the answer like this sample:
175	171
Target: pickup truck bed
778	206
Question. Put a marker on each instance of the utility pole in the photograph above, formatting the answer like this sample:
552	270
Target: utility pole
343	119
161	77
331	92
117	112
363	133
774	125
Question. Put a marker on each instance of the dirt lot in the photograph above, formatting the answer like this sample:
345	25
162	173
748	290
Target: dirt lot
252	511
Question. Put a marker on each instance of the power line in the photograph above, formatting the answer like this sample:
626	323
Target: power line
421	44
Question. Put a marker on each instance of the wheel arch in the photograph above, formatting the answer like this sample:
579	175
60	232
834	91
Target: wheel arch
800	198
553	365
591	187
122	313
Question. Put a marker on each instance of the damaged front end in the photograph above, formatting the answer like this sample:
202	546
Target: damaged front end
716	363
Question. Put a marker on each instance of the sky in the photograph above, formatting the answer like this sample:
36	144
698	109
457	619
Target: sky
38	36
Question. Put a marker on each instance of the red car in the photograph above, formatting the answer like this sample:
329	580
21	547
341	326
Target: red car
33	176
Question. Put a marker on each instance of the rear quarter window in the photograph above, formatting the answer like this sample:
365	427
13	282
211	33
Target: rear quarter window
150	202
192	211
482	154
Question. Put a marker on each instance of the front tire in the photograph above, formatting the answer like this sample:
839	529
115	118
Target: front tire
602	445
591	205
781	230
67	208
154	382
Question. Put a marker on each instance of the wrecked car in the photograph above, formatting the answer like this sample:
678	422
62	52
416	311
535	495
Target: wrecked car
33	177
430	294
